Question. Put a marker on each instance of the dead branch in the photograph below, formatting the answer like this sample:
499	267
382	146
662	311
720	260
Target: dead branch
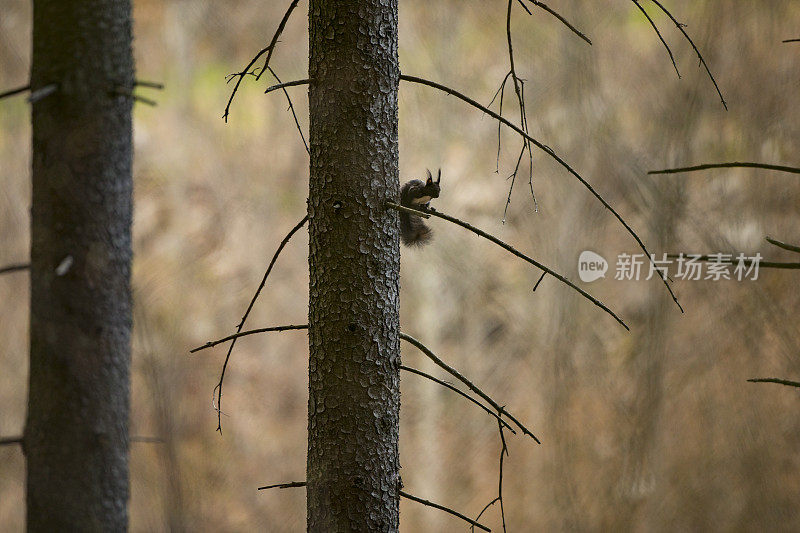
445	509
18	267
268	50
563	21
791	41
453	372
776	380
297	484
472	529
779	244
730	260
8	441
291	108
734	164
681	27
41	93
149	84
546	149
655	28
519	254
12	92
247	313
291	485
460	392
211	344
503	453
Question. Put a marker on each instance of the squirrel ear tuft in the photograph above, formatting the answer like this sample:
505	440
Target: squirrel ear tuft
439	176
430	177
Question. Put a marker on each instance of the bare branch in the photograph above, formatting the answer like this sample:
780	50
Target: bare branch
791	41
247	313
149	84
290	485
12	92
776	380
484	510
546	149
297	484
538	282
731	260
18	267
734	164
699	55
291	108
522	256
564	21
462	393
9	441
211	344
445	509
779	244
503	453
41	93
453	372
268	50
655	28
287	84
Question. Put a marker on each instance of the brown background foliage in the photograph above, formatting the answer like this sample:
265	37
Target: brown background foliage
650	430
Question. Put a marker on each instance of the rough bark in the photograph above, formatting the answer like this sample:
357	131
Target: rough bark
354	259
76	436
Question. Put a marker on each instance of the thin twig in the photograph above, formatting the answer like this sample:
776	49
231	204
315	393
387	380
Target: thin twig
484	510
681	27
546	149
734	164
18	267
779	244
12	92
453	372
291	108
776	380
41	93
458	391
211	344
121	91
445	509
247	313
287	84
503	452
791	41
149	84
8	441
268	50
540	280
564	21
522	256
655	28
730	260
291	485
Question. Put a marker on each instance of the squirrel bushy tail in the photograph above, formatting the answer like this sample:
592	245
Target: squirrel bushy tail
417	194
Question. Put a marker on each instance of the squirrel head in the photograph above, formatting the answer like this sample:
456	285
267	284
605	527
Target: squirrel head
431	187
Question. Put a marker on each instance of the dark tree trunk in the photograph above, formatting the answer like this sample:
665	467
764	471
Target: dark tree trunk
354	259
76	436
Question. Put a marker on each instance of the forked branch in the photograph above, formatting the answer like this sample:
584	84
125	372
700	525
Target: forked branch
453	372
268	50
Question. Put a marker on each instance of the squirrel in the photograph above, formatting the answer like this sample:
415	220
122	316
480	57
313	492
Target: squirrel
417	194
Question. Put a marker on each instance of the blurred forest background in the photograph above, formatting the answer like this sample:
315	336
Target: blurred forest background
650	430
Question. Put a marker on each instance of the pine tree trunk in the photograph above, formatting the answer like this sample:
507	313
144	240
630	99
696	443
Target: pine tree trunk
354	259
76	436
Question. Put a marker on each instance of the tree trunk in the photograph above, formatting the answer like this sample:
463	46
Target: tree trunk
76	436
354	260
